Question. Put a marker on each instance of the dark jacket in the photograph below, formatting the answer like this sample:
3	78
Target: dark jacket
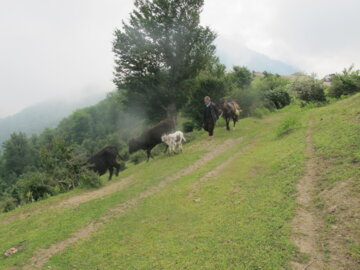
211	113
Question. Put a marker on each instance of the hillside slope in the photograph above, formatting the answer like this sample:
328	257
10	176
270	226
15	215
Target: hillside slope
229	203
36	118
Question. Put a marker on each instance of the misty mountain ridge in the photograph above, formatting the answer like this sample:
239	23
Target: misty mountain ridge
242	56
34	119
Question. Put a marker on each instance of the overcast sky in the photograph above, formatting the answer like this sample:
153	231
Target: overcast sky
62	48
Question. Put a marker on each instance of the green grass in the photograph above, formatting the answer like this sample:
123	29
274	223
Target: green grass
241	222
239	219
337	143
337	140
287	126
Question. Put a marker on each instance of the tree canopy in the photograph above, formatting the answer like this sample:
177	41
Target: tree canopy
161	47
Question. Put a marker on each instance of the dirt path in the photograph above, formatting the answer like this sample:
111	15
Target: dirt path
215	172
306	221
41	256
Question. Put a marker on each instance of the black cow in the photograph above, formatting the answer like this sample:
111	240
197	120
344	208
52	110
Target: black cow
151	137
105	160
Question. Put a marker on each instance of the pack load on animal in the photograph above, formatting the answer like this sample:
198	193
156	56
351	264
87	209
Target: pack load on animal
230	110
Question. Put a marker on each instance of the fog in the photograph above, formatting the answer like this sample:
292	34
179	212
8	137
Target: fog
51	49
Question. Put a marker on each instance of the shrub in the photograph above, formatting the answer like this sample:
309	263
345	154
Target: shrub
34	186
309	89
7	204
264	91
279	97
260	112
138	157
204	85
188	127
346	83
90	179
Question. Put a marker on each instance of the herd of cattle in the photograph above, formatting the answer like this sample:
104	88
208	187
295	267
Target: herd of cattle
106	158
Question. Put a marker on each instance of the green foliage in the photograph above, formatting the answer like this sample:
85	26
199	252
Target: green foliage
58	155
138	157
61	162
33	186
7	203
280	98
269	82
211	82
308	89
260	112
241	77
264	91
161	47
90	179
62	169
97	126
188	127
18	154
346	83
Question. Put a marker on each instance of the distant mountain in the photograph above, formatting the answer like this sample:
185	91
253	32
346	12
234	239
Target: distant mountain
230	55
36	118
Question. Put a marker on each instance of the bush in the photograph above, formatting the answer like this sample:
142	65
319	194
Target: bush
90	179
260	112
188	127
346	83
34	186
279	97
309	89
138	157
206	84
264	91
7	204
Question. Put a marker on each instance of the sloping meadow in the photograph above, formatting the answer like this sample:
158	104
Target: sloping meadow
225	203
236	218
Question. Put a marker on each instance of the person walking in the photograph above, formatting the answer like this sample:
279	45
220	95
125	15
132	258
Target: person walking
211	115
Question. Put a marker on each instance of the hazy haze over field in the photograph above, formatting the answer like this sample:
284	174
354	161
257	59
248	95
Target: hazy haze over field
54	48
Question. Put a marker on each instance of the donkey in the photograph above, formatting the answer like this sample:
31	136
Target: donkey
230	110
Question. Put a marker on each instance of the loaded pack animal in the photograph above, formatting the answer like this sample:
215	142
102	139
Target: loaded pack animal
230	110
105	160
151	137
173	141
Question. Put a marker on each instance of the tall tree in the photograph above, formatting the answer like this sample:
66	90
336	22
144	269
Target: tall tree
161	47
17	154
241	76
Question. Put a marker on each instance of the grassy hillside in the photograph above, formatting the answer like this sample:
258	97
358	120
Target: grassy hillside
227	203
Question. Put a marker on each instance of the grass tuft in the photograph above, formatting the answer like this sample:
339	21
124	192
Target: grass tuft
287	126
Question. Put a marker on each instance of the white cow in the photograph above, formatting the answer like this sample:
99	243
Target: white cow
174	140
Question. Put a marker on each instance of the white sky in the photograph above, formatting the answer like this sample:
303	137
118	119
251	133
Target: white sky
62	48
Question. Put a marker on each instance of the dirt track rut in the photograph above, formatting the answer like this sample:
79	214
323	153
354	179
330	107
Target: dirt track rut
306	221
214	172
